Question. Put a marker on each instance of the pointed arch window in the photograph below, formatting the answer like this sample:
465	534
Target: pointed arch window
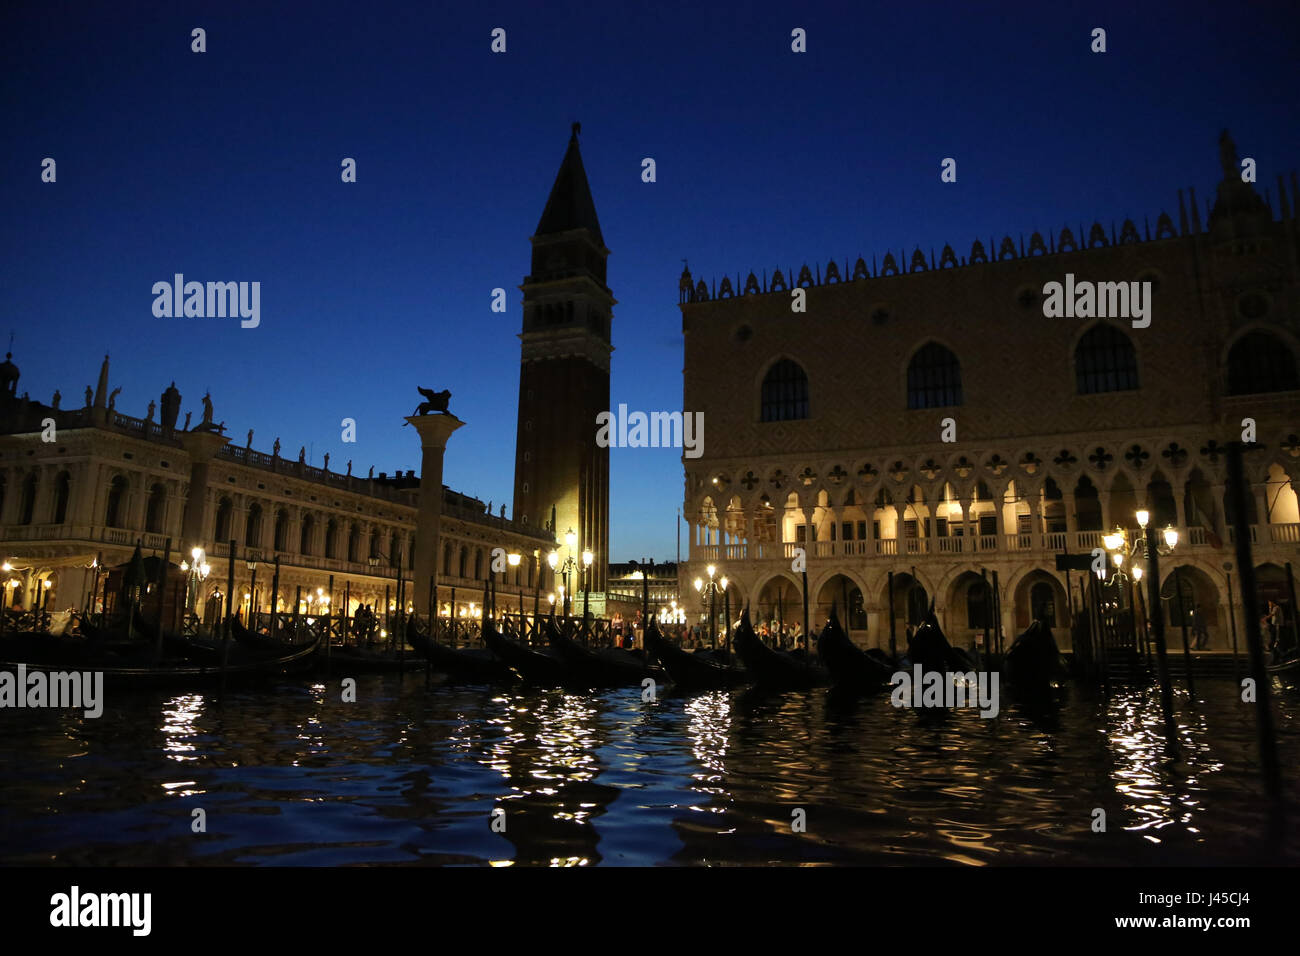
1260	362
785	392
933	378
1104	361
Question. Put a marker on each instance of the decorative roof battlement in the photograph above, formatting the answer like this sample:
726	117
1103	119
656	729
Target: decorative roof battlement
1238	210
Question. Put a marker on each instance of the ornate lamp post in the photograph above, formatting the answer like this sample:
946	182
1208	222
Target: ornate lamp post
1152	545
708	591
198	569
553	559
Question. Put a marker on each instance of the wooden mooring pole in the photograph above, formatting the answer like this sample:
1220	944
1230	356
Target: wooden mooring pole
1264	727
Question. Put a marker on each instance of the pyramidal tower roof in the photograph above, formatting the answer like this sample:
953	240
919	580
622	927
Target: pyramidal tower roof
570	205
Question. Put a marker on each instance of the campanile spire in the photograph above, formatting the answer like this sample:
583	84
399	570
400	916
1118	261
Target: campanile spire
564	373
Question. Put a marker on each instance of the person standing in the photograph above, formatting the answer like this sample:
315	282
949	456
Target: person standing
1199	629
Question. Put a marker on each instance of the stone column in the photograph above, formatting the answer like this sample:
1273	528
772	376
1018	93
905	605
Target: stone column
1035	502
201	447
1071	518
1261	513
434	431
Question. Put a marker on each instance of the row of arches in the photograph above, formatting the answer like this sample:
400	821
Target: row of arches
963	599
1258	361
1050	502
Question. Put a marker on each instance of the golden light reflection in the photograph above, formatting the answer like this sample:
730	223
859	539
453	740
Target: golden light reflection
1156	791
543	749
708	728
178	718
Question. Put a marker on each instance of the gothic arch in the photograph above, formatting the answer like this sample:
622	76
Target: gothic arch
1257	343
932	370
801	408
1101	351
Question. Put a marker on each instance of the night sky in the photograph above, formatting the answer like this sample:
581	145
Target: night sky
226	166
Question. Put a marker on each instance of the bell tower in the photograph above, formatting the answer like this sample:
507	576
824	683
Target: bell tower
564	373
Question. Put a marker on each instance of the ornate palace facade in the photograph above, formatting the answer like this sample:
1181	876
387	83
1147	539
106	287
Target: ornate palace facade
924	417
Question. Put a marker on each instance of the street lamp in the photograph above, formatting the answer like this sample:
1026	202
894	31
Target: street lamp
197	570
1152	547
553	559
708	591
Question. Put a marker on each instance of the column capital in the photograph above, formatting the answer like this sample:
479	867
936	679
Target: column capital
434	429
202	446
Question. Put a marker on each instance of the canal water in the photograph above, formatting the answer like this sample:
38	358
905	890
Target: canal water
414	773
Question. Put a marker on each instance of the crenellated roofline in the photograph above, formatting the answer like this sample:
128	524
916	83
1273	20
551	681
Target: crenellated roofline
692	291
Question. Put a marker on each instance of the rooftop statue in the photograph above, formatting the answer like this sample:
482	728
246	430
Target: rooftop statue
170	406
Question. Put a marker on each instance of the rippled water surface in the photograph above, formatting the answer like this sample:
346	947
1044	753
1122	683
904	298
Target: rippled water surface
413	773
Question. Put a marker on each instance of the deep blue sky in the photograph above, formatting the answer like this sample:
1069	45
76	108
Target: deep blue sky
225	166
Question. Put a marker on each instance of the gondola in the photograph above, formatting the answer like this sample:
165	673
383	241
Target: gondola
178	673
542	666
608	667
929	647
1290	668
851	668
476	665
140	640
1033	663
775	670
258	643
689	671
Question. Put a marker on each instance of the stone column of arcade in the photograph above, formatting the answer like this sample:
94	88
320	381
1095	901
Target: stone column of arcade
434	431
